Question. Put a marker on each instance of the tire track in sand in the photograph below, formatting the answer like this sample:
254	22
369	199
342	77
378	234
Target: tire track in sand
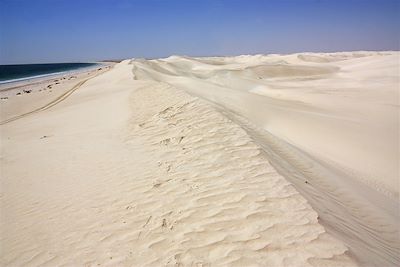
52	103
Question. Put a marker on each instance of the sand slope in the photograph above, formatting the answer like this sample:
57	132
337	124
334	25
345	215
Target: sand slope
329	123
139	173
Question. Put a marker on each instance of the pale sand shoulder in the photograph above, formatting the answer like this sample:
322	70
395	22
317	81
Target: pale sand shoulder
126	172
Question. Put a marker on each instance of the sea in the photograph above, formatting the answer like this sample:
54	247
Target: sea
15	73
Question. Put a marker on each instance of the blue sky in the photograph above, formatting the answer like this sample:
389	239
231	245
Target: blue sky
38	31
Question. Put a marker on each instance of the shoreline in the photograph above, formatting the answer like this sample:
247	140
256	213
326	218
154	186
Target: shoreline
14	83
25	96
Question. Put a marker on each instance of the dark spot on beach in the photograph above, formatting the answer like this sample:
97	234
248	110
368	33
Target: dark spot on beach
19	93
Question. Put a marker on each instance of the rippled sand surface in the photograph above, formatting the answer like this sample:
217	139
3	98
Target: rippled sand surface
237	161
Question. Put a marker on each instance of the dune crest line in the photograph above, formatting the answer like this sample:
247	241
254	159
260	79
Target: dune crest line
329	122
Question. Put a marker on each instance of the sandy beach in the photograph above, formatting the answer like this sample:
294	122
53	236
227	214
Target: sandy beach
19	98
261	160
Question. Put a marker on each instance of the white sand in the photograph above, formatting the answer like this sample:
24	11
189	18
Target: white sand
130	170
329	119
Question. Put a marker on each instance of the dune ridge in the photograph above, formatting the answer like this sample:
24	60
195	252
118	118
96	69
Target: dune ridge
125	172
241	211
329	122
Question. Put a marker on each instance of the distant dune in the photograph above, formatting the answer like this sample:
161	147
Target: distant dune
264	160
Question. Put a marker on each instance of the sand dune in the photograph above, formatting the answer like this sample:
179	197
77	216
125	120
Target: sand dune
278	160
329	119
324	93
